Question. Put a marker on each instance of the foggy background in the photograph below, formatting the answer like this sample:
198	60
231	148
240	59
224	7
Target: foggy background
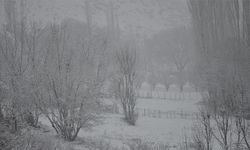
124	74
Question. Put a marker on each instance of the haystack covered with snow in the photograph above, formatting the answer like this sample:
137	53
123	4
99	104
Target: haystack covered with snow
159	91
188	88
174	88
145	90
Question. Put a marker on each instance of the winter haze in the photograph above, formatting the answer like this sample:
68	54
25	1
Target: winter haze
124	74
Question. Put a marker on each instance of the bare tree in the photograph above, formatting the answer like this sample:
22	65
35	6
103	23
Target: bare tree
197	139
181	60
15	63
69	97
203	132
207	128
32	39
173	49
221	31
126	61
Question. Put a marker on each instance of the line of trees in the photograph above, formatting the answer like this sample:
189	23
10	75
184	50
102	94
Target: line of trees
221	30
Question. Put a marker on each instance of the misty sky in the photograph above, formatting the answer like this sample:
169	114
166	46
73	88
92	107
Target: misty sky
142	16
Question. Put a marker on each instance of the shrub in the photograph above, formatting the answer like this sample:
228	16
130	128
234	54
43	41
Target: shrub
126	89
35	140
5	137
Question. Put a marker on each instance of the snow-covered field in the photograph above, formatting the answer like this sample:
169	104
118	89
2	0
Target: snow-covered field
169	131
159	130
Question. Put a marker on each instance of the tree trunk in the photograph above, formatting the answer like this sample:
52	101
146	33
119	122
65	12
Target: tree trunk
1	113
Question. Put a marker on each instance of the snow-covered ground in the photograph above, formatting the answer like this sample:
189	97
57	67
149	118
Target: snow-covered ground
170	131
159	130
167	131
168	105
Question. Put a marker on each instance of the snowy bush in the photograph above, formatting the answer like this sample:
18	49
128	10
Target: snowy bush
71	88
126	90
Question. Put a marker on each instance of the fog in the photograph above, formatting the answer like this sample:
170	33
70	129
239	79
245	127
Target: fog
124	74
